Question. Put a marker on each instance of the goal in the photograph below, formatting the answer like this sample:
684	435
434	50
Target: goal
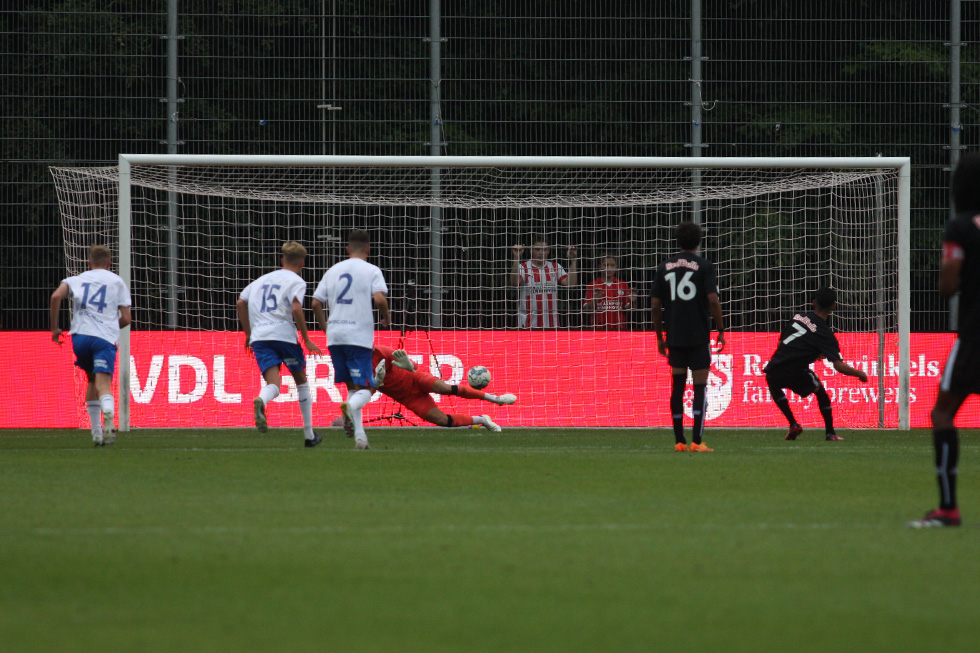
190	232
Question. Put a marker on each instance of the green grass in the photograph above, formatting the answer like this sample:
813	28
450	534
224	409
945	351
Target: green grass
545	540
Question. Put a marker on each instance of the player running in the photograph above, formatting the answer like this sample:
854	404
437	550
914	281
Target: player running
348	290
685	295
805	339
397	377
101	306
270	310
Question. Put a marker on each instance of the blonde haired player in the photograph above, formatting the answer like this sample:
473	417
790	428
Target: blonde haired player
101	306
270	310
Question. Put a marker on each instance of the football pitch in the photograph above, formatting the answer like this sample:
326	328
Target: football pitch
456	540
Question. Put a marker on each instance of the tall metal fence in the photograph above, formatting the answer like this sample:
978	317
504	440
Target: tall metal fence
86	81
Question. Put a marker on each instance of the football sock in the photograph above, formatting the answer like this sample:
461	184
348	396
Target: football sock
306	408
359	399
697	409
268	392
677	405
359	433
469	393
107	404
947	445
94	409
782	403
826	409
464	420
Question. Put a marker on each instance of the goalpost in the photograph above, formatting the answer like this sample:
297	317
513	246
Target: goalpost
190	231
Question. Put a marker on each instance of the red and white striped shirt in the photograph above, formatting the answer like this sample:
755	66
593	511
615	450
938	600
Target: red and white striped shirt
538	300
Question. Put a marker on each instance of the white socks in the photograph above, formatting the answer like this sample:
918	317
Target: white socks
359	399
306	408
269	392
107	405
356	401
94	409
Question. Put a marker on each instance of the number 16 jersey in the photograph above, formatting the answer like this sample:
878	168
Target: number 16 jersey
683	284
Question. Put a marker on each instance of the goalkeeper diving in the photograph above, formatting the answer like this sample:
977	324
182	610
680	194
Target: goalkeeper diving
397	377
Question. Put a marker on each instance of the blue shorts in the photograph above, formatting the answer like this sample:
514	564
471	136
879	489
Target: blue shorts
272	353
94	355
352	364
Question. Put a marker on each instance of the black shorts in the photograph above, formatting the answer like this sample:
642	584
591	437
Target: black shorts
690	357
961	375
802	382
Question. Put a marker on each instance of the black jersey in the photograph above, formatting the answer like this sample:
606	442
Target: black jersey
964	231
683	284
804	339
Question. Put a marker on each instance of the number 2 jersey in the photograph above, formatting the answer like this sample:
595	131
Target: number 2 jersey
803	340
97	295
683	284
347	289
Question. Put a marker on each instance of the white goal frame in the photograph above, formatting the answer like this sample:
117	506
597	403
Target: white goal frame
900	164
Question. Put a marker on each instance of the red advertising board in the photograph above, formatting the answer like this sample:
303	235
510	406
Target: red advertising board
562	379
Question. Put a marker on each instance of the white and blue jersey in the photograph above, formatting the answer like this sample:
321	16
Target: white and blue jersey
347	290
270	305
97	296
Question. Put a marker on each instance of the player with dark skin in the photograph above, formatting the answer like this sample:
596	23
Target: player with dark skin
805	339
959	271
686	293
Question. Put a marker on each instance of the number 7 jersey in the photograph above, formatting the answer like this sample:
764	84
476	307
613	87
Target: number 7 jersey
683	284
804	339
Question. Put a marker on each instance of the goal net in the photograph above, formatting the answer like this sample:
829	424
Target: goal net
190	233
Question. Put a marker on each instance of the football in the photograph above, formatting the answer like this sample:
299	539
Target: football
478	377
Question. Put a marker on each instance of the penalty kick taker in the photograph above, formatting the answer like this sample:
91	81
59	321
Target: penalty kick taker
396	376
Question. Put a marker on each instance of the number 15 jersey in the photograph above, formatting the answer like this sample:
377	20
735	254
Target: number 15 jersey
270	305
683	284
347	289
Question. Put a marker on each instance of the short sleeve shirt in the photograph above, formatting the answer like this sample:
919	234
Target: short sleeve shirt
683	284
270	305
963	231
538	300
804	339
347	289
96	297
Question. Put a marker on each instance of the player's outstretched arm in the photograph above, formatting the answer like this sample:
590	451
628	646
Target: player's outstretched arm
399	358
844	368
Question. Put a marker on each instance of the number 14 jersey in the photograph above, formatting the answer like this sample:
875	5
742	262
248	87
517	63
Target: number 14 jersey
683	284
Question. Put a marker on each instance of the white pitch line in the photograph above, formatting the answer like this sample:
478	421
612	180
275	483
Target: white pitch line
443	528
